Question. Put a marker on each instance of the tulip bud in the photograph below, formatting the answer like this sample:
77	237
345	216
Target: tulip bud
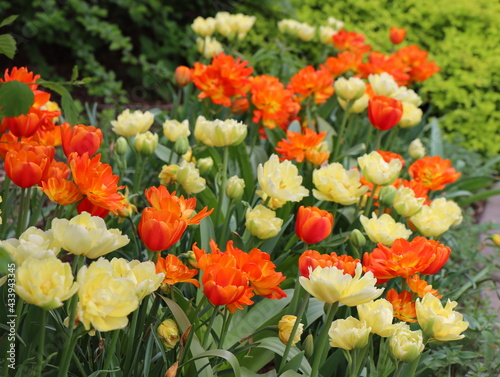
234	187
262	222
181	146
191	259
406	345
357	239
349	89
121	146
397	35
285	327
308	345
168	333
205	165
146	143
387	194
182	75
165	288
313	224
495	238
416	149
168	174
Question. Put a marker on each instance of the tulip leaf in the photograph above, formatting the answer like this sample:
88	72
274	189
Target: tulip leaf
480	196
291	373
294	363
163	153
195	347
240	154
471	183
275	135
436	146
70	112
248	373
16	99
8	45
228	356
6	262
275	345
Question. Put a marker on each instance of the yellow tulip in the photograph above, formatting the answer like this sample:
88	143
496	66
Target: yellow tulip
377	171
132	123
436	218
384	229
168	332
378	315
219	133
173	129
262	222
285	327
32	243
405	203
349	333
406	345
189	178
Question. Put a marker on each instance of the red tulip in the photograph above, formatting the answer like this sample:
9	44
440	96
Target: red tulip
160	229
182	75
313	224
384	112
397	35
28	166
80	139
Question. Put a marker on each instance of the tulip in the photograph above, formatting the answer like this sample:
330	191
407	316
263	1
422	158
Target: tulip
173	129
406	345
378	315
377	171
168	332
182	75
240	106
349	333
23	125
397	35
160	229
219	133
61	191
189	178
436	218
33	243
313	224
45	282
349	89
262	222
384	229
26	168
80	139
235	187
132	123
145	143
285	326
383	84
438	322
384	113
416	149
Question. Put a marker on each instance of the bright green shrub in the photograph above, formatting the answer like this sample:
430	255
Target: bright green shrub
460	35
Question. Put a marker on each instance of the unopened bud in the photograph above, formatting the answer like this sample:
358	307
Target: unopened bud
386	195
416	149
496	239
357	239
182	75
308	346
146	143
181	146
205	165
234	187
121	146
191	259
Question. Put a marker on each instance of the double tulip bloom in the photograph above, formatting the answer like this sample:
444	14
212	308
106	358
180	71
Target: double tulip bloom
313	224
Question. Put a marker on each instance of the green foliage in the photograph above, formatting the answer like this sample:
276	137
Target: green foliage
461	36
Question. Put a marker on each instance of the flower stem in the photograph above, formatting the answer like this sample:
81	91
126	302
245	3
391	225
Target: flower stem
323	337
69	344
138	172
225	328
399	369
110	351
342	128
369	202
222	187
209	327
24	208
300	313
41	343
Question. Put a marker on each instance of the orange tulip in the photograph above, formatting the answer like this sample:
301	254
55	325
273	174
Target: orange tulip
23	125
28	166
298	146
87	206
240	106
388	156
182	75
420	287
160	229
21	74
309	82
226	286
313	224
404	307
175	271
397	35
311	259
350	41
405	258
384	112
433	173
61	191
58	169
80	139
96	181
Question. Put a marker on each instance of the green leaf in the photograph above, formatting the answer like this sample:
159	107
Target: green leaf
248	373
481	196
5	261
16	99
70	111
9	20
163	153
8	45
74	74
436	147
275	345
294	363
223	354
471	184
275	135
291	373
195	346
240	154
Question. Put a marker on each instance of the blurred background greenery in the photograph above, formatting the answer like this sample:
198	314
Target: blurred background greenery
130	48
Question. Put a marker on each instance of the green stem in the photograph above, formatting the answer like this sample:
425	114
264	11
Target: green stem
300	313
413	367
393	133
41	343
138	172
24	207
225	227
209	327
5	200
369	202
354	363
379	139
341	132
69	343
399	369
323	337
130	342
110	350
225	328
222	187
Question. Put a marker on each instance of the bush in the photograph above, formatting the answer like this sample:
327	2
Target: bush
455	32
